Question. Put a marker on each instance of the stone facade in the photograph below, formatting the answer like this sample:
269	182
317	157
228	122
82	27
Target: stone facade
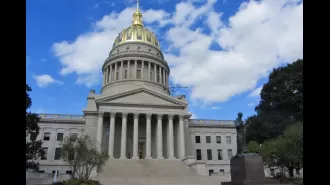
55	125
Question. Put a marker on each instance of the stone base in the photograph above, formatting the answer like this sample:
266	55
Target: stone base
148	158
253	182
171	158
123	157
248	169
160	157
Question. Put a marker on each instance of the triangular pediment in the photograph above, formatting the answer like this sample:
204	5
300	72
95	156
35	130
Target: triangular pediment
142	96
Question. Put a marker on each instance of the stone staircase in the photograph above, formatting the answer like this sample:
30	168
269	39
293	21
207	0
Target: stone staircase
151	172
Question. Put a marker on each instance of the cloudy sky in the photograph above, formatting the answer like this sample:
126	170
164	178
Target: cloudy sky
222	50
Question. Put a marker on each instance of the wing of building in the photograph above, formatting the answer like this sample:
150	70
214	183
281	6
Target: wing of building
135	118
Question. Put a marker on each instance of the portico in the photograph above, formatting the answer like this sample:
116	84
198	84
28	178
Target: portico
133	135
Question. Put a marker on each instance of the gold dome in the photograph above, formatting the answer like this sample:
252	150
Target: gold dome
136	32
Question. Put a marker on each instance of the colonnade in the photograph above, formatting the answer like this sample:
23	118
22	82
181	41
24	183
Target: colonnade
135	69
148	135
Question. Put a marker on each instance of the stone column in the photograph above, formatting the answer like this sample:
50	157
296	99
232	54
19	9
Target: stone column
122	70
182	142
128	69
135	70
149	70
171	139
135	136
155	71
160	74
142	69
148	135
115	71
112	134
99	130
123	136
167	78
106	78
109	78
159	137
164	71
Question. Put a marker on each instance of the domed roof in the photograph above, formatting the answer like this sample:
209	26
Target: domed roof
136	32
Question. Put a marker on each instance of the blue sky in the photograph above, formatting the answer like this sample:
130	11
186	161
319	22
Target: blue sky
223	50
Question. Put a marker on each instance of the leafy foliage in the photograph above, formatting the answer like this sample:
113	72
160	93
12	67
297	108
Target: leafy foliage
82	155
281	103
285	152
33	148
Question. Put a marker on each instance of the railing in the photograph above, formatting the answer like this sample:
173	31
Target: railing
60	116
211	122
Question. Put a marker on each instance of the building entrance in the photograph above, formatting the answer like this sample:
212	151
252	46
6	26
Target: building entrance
141	150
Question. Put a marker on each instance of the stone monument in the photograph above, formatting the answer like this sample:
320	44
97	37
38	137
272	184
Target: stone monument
246	168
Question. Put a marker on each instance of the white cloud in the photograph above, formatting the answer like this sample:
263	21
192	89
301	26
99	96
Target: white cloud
193	116
258	37
45	80
43	60
256	92
251	104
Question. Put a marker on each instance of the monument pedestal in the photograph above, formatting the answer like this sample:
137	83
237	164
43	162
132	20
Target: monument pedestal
248	169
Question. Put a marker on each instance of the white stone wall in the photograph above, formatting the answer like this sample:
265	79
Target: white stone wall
54	127
213	128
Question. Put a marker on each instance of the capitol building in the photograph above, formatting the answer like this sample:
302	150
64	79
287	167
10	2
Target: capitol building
146	131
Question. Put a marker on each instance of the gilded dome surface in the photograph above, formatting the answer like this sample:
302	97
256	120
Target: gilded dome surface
136	32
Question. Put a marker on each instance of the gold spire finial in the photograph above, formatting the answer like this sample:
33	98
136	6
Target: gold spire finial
137	16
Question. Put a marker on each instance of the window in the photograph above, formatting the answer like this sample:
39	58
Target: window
208	139
219	154
33	136
230	153
158	78
222	172
272	172
198	154
297	172
211	171
138	74
68	172
228	139
59	136
209	154
53	172
57	154
46	136
151	76
198	139
117	75
218	138
126	72
44	157
41	171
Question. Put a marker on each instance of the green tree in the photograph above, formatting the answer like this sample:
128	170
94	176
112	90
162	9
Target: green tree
284	152
33	148
281	103
82	155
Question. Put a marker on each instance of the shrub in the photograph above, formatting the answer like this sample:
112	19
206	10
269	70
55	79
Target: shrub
78	182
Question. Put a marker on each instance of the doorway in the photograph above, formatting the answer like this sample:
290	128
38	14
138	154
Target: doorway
141	150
